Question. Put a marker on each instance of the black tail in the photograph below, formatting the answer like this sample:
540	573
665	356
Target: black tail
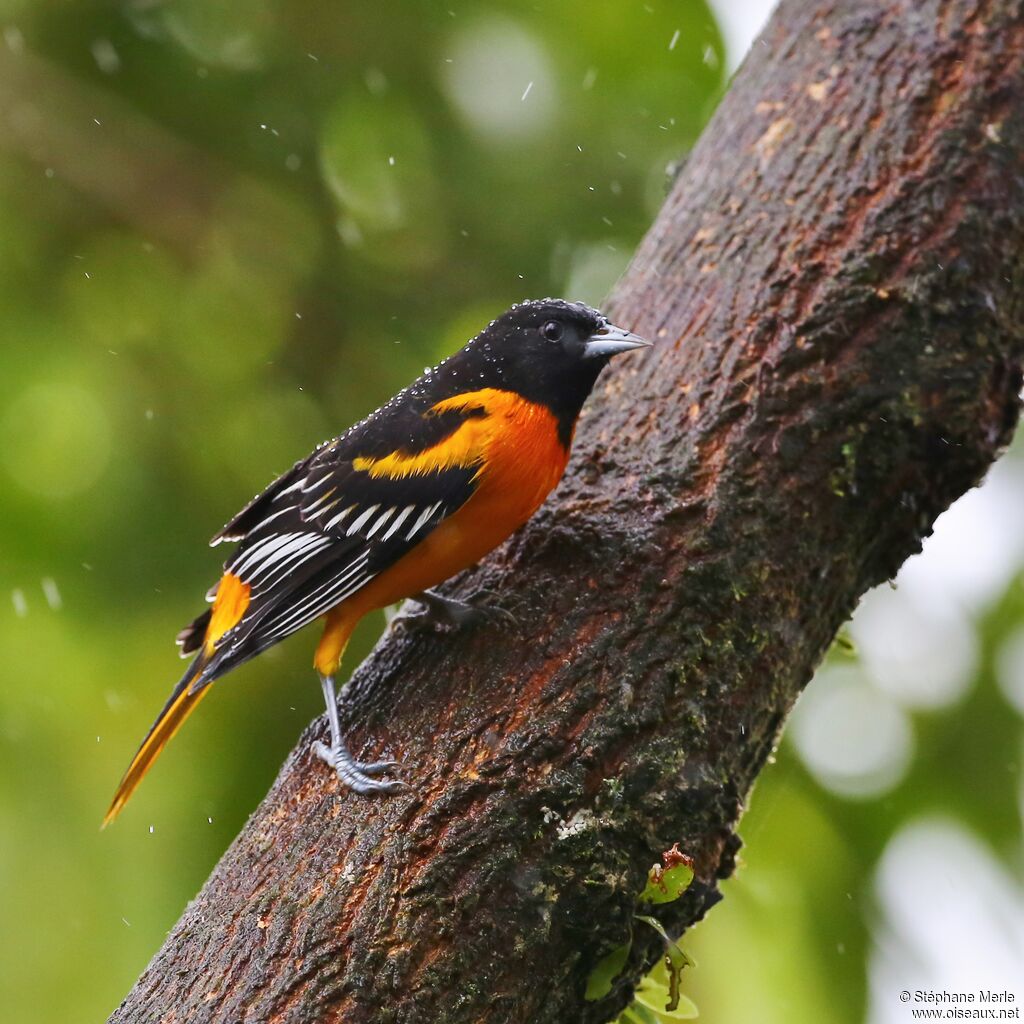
190	639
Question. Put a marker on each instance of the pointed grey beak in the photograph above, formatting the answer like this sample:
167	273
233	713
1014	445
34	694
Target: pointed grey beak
610	340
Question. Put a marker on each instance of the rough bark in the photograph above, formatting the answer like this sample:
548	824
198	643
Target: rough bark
836	290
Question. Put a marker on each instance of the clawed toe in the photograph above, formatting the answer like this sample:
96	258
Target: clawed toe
363	785
412	620
480	612
356	775
503	615
450	613
377	767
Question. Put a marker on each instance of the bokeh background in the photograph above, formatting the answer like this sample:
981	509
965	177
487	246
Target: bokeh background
229	230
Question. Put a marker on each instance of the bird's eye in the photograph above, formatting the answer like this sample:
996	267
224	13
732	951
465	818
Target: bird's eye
552	330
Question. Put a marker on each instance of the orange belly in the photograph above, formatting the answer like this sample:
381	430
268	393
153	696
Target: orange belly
523	460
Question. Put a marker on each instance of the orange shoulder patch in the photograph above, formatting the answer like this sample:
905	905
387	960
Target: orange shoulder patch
462	448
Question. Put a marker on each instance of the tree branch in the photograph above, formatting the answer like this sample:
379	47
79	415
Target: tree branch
835	286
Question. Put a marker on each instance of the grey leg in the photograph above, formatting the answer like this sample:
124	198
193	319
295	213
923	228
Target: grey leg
447	611
356	775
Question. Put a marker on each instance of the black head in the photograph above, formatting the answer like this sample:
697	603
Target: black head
549	351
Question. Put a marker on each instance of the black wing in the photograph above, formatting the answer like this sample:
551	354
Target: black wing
326	528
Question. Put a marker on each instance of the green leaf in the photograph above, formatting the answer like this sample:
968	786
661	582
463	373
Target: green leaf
653	1002
655	999
637	1014
599	984
673	964
843	645
666	884
669	943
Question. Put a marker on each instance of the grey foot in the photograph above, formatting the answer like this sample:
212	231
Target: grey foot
448	612
359	775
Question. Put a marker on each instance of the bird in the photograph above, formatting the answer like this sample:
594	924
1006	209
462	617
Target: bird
419	490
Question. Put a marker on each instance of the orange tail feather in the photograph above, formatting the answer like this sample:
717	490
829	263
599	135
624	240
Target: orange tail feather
181	705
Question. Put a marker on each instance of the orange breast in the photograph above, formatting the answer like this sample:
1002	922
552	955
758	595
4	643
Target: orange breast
523	459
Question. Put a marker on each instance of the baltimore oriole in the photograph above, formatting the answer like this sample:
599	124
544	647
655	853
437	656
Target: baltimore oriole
416	492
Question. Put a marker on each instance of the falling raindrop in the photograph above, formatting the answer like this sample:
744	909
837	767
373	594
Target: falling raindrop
106	57
14	39
376	81
51	593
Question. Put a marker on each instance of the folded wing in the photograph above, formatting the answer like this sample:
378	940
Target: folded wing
333	522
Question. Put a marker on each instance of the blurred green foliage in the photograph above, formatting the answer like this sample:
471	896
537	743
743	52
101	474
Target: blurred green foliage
226	232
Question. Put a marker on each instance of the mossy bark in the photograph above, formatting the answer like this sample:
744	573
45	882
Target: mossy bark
836	292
